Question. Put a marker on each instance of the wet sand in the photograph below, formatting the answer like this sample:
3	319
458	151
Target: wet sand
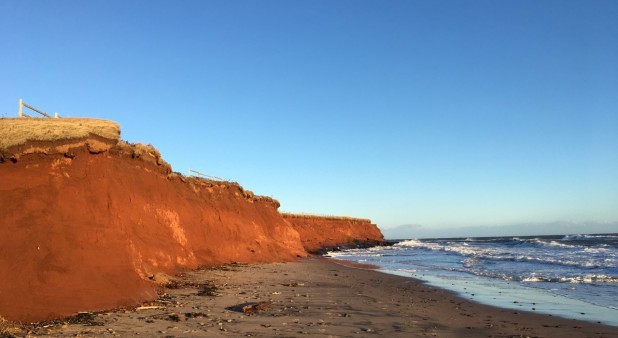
314	297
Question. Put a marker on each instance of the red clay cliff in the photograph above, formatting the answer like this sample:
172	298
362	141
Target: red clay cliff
325	232
87	228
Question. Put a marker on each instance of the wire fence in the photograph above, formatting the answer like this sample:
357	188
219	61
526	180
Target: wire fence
210	177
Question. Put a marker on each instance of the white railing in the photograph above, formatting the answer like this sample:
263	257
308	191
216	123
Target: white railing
23	105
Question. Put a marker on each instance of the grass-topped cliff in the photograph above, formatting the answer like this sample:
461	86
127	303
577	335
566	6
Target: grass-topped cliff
20	136
19	131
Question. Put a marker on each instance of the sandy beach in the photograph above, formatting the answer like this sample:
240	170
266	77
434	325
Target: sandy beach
314	297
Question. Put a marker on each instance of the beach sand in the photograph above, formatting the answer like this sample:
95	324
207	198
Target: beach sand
314	297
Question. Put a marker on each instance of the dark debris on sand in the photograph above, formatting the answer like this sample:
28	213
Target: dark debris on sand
251	307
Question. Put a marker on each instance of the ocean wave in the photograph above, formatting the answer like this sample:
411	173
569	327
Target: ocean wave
411	243
472	247
557	244
539	242
565	261
603	249
543	252
447	246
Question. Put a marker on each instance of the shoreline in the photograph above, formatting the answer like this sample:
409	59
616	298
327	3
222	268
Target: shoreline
567	276
509	295
311	297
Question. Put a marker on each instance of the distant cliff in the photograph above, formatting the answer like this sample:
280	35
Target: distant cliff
89	222
324	232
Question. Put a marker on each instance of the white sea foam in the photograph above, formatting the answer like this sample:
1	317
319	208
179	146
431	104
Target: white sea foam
463	248
573	280
411	243
590	279
597	250
557	244
584	237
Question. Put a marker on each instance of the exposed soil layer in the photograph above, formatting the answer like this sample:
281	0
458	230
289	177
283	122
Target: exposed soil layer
89	231
318	233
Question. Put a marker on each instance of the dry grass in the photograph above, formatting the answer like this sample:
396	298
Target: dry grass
248	194
138	150
9	329
309	216
260	198
146	152
141	149
18	131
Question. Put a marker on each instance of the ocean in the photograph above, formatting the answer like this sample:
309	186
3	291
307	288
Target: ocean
571	276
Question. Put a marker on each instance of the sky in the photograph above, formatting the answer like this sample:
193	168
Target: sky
424	116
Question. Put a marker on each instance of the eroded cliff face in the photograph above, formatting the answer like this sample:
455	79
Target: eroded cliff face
88	222
319	232
92	231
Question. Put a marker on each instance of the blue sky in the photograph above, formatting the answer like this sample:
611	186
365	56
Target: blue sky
440	114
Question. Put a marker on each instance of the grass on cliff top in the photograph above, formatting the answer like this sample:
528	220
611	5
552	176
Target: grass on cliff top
18	131
309	216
